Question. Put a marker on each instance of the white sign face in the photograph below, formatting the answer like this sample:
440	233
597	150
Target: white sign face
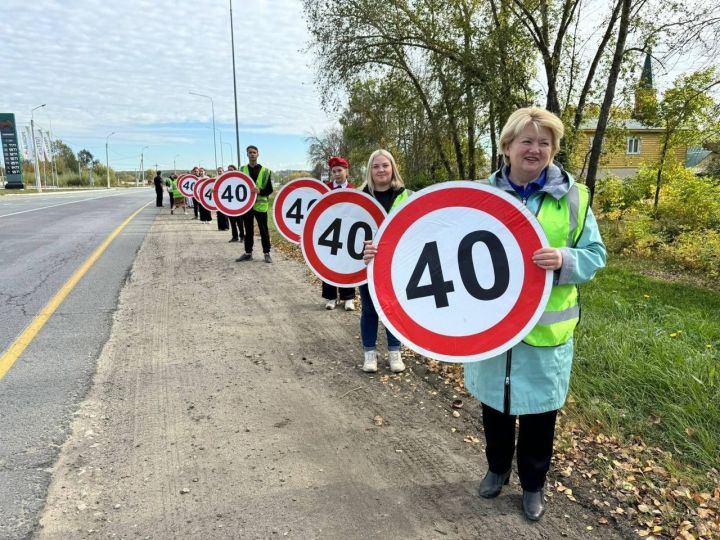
292	205
206	194
454	278
334	233
233	193
186	183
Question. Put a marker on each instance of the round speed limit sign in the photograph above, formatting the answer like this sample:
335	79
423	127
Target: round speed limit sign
233	193
197	193
292	204
186	183
453	277
206	194
334	232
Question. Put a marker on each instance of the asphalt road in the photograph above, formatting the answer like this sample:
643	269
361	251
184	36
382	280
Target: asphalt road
43	241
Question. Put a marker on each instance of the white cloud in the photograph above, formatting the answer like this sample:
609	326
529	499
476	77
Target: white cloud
103	65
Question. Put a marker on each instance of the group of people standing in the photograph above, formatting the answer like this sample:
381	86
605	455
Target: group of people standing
522	389
242	227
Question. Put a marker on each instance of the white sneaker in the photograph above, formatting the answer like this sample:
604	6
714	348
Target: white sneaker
330	304
396	363
350	305
370	364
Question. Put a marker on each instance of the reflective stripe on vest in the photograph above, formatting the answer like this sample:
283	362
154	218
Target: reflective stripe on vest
563	222
262	204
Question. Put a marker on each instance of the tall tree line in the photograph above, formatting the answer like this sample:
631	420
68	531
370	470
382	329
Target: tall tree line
435	80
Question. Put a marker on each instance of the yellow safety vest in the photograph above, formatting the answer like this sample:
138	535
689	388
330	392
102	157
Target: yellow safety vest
563	222
262	204
400	198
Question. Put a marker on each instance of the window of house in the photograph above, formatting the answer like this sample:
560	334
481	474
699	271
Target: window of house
633	145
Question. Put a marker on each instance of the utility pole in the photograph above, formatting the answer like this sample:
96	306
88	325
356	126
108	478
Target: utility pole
107	159
142	164
32	132
52	153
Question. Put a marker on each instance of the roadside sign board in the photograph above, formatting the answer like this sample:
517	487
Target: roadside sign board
453	277
186	183
334	232
11	151
197	187
206	194
233	193
292	204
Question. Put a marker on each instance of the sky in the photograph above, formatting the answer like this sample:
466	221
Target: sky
127	66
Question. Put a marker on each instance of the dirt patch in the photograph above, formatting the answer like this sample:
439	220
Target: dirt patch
229	404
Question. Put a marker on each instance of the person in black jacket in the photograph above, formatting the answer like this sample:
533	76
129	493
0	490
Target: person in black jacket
158	189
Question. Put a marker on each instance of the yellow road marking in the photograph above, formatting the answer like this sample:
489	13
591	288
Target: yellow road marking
23	340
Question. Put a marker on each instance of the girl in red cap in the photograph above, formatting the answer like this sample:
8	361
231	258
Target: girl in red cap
339	169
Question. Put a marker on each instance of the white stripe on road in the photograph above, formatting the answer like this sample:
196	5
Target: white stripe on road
60	204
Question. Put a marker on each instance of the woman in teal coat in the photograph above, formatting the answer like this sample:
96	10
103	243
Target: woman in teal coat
530	381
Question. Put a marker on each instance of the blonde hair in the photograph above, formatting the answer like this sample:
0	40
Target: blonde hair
396	181
539	118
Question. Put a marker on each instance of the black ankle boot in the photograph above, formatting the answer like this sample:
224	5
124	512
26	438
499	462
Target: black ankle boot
534	504
492	484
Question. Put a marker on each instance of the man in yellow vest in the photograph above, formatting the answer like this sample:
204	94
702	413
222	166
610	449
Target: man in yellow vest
263	187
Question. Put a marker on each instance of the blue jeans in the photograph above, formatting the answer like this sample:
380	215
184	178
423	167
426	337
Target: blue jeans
369	324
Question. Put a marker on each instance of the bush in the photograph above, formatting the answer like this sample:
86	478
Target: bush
688	202
75	182
696	250
685	231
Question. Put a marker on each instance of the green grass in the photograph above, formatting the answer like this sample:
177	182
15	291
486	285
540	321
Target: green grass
647	362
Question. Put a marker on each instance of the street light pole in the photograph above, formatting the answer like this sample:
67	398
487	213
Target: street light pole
107	159
237	125
212	104
32	134
232	157
222	158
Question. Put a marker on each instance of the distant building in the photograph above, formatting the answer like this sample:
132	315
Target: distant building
643	143
642	146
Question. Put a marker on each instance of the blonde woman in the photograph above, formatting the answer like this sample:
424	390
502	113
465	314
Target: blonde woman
383	182
530	381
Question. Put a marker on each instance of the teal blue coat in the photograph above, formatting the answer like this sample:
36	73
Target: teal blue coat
538	376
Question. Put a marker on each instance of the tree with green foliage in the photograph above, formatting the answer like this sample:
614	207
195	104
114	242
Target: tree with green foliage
64	157
686	110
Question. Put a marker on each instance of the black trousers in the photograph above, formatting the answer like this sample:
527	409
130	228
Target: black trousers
248	223
534	444
172	199
330	292
205	214
222	221
196	207
236	226
158	195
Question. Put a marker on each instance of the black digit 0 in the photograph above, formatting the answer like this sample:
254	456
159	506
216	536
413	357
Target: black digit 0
352	238
243	197
500	265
